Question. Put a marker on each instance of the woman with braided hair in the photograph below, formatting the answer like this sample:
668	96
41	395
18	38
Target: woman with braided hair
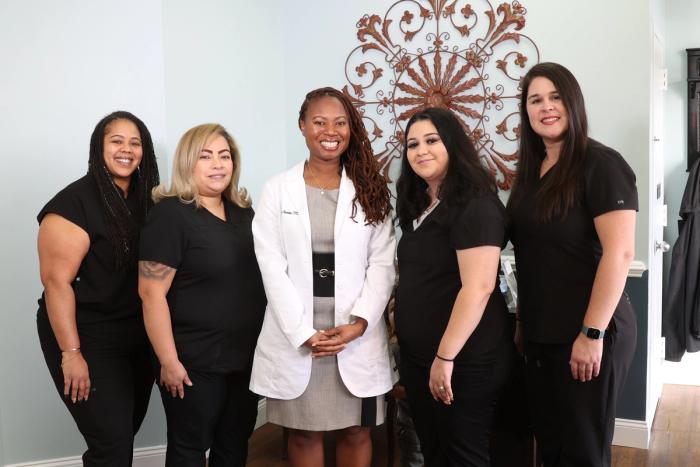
89	320
325	245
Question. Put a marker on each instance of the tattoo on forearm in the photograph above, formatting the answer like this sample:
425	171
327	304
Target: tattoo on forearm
154	270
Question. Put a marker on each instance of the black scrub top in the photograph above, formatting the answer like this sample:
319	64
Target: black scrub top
102	292
216	299
429	280
557	261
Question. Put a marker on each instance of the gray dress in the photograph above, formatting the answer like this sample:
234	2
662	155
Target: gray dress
326	404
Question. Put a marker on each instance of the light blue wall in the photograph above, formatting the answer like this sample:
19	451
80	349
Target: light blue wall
319	35
247	65
607	45
224	63
65	65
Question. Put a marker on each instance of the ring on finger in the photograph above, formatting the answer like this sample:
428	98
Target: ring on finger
441	388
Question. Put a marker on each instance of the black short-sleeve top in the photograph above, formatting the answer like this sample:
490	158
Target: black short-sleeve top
216	299
102	292
557	261
429	279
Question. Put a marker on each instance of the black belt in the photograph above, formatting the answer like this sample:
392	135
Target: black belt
324	274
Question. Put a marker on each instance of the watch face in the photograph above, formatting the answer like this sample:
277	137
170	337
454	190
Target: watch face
593	333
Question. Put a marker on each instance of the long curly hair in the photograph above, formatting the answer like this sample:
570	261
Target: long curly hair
371	190
561	190
466	177
123	224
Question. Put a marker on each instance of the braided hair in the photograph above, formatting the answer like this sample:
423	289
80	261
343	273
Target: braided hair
371	190
123	224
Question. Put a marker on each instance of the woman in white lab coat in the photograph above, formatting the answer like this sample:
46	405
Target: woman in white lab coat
325	245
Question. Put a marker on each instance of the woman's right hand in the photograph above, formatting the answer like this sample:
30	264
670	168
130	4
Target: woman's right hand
174	376
76	377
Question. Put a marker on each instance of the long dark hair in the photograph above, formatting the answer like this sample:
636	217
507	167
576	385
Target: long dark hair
560	191
465	177
123	224
371	190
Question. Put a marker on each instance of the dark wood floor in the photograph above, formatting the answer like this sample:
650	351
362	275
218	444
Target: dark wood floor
675	434
675	439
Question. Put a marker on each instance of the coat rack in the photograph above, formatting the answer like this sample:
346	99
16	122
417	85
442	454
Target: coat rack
693	105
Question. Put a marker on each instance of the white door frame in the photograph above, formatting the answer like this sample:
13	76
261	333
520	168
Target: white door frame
657	221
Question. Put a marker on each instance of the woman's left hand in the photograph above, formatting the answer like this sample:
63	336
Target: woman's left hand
339	337
586	355
440	383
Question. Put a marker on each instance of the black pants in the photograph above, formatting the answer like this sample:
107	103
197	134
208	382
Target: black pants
456	435
121	379
218	413
574	422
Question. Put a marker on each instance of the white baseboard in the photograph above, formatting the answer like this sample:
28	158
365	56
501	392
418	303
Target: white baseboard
632	433
153	456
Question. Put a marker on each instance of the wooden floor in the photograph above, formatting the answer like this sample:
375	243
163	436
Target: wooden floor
675	434
675	439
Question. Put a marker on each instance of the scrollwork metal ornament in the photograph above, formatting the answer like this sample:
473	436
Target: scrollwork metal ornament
466	56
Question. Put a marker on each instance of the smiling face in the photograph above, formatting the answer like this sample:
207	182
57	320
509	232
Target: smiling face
212	172
122	151
426	153
326	129
546	111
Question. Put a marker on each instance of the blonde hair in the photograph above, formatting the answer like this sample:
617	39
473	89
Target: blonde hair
186	156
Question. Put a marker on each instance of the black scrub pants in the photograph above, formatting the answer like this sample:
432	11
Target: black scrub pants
574	421
217	413
457	435
121	379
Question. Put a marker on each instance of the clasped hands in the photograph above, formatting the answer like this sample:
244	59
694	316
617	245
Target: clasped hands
328	342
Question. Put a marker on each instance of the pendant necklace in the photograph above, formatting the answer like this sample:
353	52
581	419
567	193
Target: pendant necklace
313	175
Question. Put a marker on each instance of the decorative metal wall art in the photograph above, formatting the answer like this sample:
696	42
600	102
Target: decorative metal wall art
466	56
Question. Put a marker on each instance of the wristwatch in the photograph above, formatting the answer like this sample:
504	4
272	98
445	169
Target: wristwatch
592	333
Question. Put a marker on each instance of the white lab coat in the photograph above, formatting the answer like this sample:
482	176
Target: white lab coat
364	277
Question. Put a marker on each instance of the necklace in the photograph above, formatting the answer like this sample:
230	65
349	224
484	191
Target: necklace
313	175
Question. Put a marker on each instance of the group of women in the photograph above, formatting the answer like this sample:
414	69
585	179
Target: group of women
186	286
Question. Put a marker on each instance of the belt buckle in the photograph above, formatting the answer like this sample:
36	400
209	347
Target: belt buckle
323	273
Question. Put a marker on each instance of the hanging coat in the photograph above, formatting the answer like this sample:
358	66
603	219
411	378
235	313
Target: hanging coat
681	315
